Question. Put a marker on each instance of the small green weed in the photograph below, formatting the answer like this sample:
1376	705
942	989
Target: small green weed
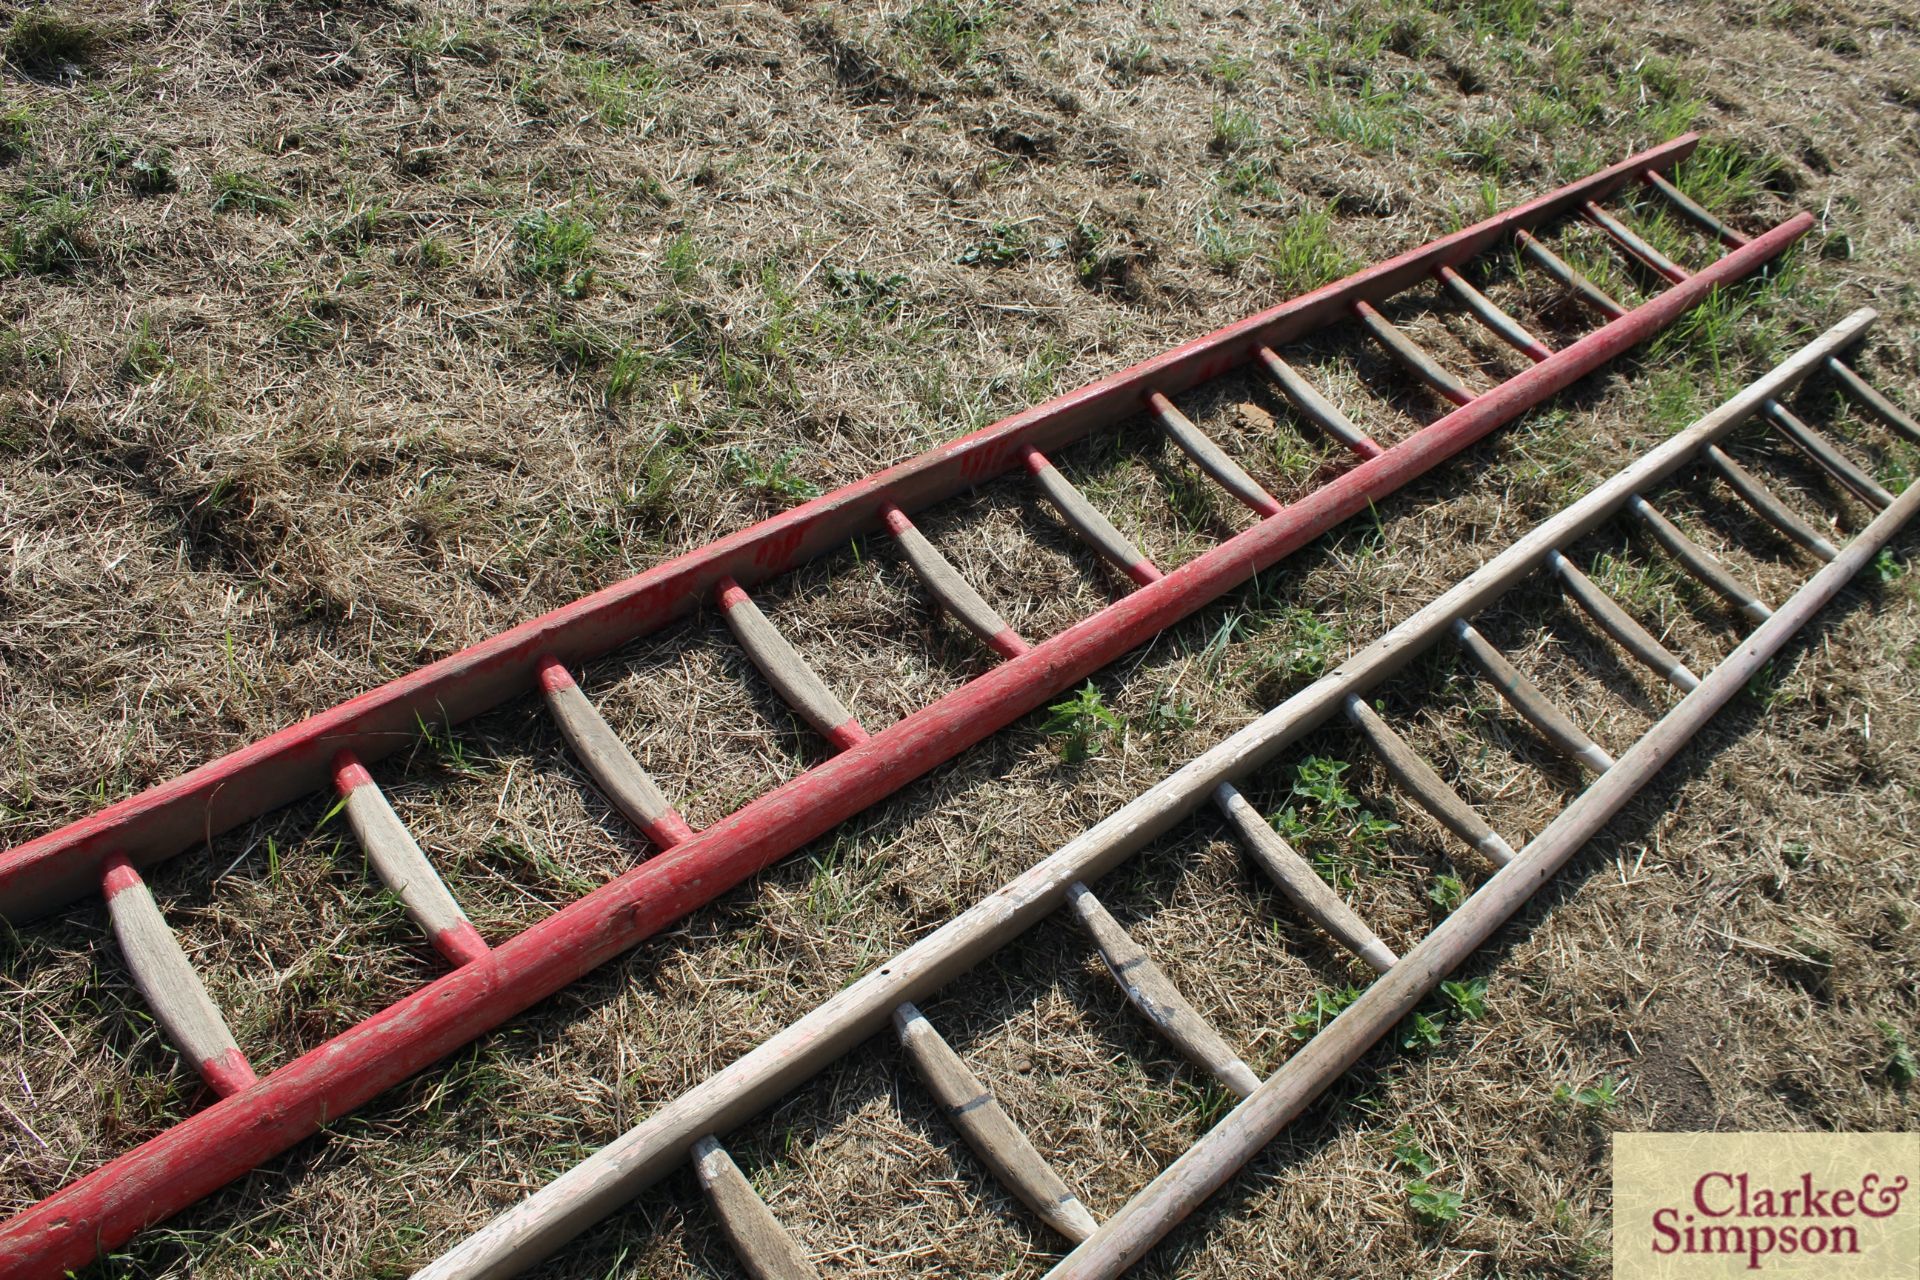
865	292
1468	998
146	356
1005	243
1433	1206
1323	1007
1327	818
235	192
1233	130
618	93
1604	1095
47	236
682	261
951	33
1083	724
1422	1031
1902	1067
16	132
1448	892
1410	1155
776	478
628	372
1305	256
1888	567
556	248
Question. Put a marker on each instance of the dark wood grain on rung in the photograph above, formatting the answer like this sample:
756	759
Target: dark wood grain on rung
1634	244
1702	564
786	670
1502	325
1210	457
1868	397
955	594
1621	625
1824	455
1151	992
761	1243
1000	1143
1530	700
1411	357
1769	507
1296	879
1698	214
1085	519
1429	790
1315	407
1557	267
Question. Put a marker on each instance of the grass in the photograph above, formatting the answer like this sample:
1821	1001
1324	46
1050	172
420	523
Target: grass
816	246
235	192
47	235
557	249
44	41
1305	255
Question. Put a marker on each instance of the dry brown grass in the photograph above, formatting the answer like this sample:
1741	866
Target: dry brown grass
291	401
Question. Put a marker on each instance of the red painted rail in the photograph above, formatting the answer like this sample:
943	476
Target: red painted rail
202	1153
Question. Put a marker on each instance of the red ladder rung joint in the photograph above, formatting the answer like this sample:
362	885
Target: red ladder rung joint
227	1072
1534	348
1635	245
1419	363
1006	642
730	596
1143	571
666	830
190	1159
456	939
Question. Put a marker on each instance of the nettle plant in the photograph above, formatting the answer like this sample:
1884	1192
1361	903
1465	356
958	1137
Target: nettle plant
1328	821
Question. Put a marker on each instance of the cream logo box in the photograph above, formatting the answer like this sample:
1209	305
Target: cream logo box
1708	1206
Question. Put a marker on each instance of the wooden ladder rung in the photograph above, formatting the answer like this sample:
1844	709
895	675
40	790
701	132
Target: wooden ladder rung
1150	991
1766	504
1824	455
1488	313
1634	244
1702	564
1621	625
628	785
1299	882
1530	700
955	594
1868	397
1558	268
1700	217
1210	457
786	670
167	979
401	866
1416	777
761	1243
1000	1143
1408	353
1315	407
1085	519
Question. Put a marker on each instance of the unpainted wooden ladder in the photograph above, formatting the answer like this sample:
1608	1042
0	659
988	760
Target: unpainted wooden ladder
691	1127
